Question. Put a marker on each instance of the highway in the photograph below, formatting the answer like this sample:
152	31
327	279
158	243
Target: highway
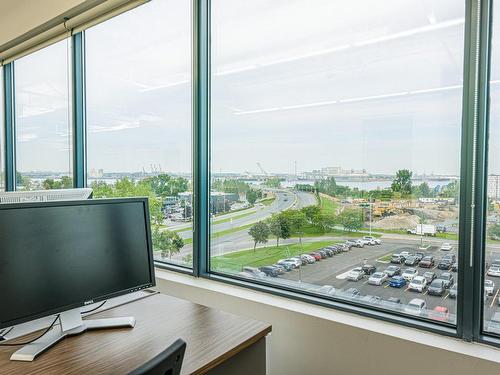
285	199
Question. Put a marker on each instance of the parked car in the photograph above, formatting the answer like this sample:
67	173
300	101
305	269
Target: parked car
448	278
367	242
405	254
397	259
369	269
445	264
327	289
374	240
356	274
411	261
440	313
454	267
419	256
378	278
392	271
489	287
355	243
328	252
494	271
307	259
418	284
446	246
453	291
397	282
416	306
409	274
322	253
279	268
287	265
269	271
427	262
429	276
296	262
254	271
437	288
316	256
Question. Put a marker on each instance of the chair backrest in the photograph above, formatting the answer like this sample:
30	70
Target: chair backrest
168	362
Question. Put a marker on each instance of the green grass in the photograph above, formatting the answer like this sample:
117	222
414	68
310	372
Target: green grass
385	259
267	201
230	231
263	256
227	219
239	209
327	206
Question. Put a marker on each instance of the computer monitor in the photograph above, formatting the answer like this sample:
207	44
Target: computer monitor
45	195
59	256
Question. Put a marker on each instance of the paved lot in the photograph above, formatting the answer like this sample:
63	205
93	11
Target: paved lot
332	271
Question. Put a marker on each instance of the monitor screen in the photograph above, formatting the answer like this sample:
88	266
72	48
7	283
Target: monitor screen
55	256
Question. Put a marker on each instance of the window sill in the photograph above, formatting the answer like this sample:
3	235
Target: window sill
415	335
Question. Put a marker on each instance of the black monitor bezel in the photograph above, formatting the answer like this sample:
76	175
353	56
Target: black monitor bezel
60	309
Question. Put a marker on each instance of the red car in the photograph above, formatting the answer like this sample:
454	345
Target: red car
427	262
439	313
316	256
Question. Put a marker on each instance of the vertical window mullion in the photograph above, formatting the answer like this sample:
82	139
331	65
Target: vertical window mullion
78	110
10	128
201	137
472	168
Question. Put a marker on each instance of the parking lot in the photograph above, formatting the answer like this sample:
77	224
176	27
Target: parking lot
333	271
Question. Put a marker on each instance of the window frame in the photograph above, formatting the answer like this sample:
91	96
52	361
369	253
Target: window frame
473	170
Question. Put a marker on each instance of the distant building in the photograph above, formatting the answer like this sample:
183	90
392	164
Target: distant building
219	201
494	186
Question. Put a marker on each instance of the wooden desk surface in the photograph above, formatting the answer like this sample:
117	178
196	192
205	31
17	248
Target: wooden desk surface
212	337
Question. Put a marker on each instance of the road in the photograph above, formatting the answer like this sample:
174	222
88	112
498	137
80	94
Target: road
285	199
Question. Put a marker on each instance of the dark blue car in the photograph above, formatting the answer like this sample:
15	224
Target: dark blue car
397	282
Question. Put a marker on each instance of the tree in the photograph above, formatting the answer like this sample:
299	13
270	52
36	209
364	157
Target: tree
65	182
165	185
167	242
451	190
273	182
311	212
251	196
494	232
259	232
351	220
279	225
297	220
402	182
422	190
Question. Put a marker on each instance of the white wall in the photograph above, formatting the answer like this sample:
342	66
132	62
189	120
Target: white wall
302	344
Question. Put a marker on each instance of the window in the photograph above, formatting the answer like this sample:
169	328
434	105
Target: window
43	119
139	117
336	148
2	134
491	307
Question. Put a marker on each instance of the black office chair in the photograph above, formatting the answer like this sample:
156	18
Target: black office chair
168	362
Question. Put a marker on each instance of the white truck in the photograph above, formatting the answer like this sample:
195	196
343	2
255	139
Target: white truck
423	230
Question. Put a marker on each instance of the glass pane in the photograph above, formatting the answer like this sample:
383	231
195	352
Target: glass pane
43	119
336	147
139	117
2	135
492	251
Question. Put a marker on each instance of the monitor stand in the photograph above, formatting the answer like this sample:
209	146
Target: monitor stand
71	324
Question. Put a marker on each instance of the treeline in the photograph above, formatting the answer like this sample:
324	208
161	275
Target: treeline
401	187
295	222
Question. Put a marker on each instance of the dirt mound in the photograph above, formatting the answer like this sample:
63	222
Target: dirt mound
404	221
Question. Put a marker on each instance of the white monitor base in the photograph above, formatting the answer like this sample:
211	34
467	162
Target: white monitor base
30	351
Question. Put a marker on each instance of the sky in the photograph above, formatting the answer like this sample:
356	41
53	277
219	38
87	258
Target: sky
358	84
